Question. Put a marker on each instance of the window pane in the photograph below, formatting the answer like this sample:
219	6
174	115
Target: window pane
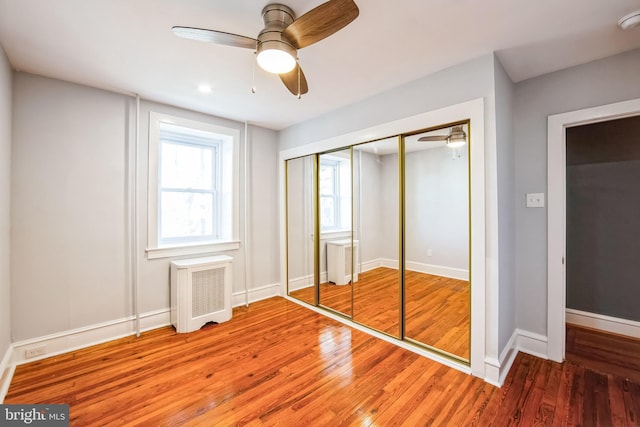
327	176
327	212
186	166
184	214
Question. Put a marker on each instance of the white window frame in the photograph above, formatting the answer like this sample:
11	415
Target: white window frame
229	190
335	193
341	200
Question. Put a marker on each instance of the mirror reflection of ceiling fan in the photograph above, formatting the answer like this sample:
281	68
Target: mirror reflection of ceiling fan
277	44
456	137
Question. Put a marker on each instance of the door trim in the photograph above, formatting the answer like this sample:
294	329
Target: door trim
556	213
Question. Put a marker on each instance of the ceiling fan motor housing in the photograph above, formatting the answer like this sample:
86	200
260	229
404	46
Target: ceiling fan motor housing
276	18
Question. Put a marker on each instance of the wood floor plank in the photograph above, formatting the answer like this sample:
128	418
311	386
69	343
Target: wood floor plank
277	363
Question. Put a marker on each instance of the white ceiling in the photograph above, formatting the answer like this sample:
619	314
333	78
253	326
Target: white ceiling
128	46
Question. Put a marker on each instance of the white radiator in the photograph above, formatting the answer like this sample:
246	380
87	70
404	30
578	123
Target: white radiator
200	292
339	253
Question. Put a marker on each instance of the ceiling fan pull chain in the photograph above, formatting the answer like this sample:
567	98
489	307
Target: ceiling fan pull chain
253	77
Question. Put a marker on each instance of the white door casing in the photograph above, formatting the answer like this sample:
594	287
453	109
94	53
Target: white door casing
556	211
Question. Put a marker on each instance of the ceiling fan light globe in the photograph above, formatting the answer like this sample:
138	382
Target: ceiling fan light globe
276	61
455	143
632	20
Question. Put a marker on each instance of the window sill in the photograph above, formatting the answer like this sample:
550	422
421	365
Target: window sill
337	234
174	251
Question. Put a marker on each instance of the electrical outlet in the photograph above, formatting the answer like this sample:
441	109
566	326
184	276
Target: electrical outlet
535	200
429	252
35	351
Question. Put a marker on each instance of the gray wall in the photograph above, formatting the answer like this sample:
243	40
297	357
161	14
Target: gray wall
603	238
5	202
505	157
70	213
370	199
437	203
300	219
597	83
68	208
603	218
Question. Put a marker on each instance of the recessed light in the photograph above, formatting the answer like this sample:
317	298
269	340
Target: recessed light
204	88
629	21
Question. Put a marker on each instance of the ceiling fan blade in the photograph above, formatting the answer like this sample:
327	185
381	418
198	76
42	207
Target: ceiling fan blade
434	138
213	36
291	80
321	22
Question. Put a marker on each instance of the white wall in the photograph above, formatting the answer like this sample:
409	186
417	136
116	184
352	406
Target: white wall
606	81
5	203
70	239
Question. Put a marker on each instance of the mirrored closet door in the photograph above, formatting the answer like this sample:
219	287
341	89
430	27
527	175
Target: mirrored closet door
436	238
336	246
379	232
376	294
300	228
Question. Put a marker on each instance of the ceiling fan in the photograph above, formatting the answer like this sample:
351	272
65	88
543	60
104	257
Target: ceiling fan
277	44
456	137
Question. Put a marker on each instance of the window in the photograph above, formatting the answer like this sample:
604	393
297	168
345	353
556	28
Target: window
329	194
193	195
335	193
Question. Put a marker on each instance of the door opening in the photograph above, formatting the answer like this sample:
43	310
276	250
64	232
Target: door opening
557	210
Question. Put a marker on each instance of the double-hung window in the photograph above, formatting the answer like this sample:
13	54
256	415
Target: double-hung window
188	185
335	193
192	187
329	194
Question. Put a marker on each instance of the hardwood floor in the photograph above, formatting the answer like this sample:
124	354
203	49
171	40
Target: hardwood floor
604	352
437	308
278	363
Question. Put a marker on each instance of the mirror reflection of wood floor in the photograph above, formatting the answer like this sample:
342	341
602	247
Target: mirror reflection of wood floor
437	308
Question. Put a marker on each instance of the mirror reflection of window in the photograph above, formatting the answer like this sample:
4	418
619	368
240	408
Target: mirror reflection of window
335	193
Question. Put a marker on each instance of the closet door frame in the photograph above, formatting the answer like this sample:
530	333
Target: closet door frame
482	361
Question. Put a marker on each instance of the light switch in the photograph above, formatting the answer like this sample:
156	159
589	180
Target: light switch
535	200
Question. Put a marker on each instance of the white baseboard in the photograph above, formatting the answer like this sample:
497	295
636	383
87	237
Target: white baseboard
87	336
6	372
532	343
496	370
601	322
256	294
370	265
438	270
301	283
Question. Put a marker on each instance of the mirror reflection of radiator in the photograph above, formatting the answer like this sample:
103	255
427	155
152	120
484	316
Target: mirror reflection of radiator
200	292
339	262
